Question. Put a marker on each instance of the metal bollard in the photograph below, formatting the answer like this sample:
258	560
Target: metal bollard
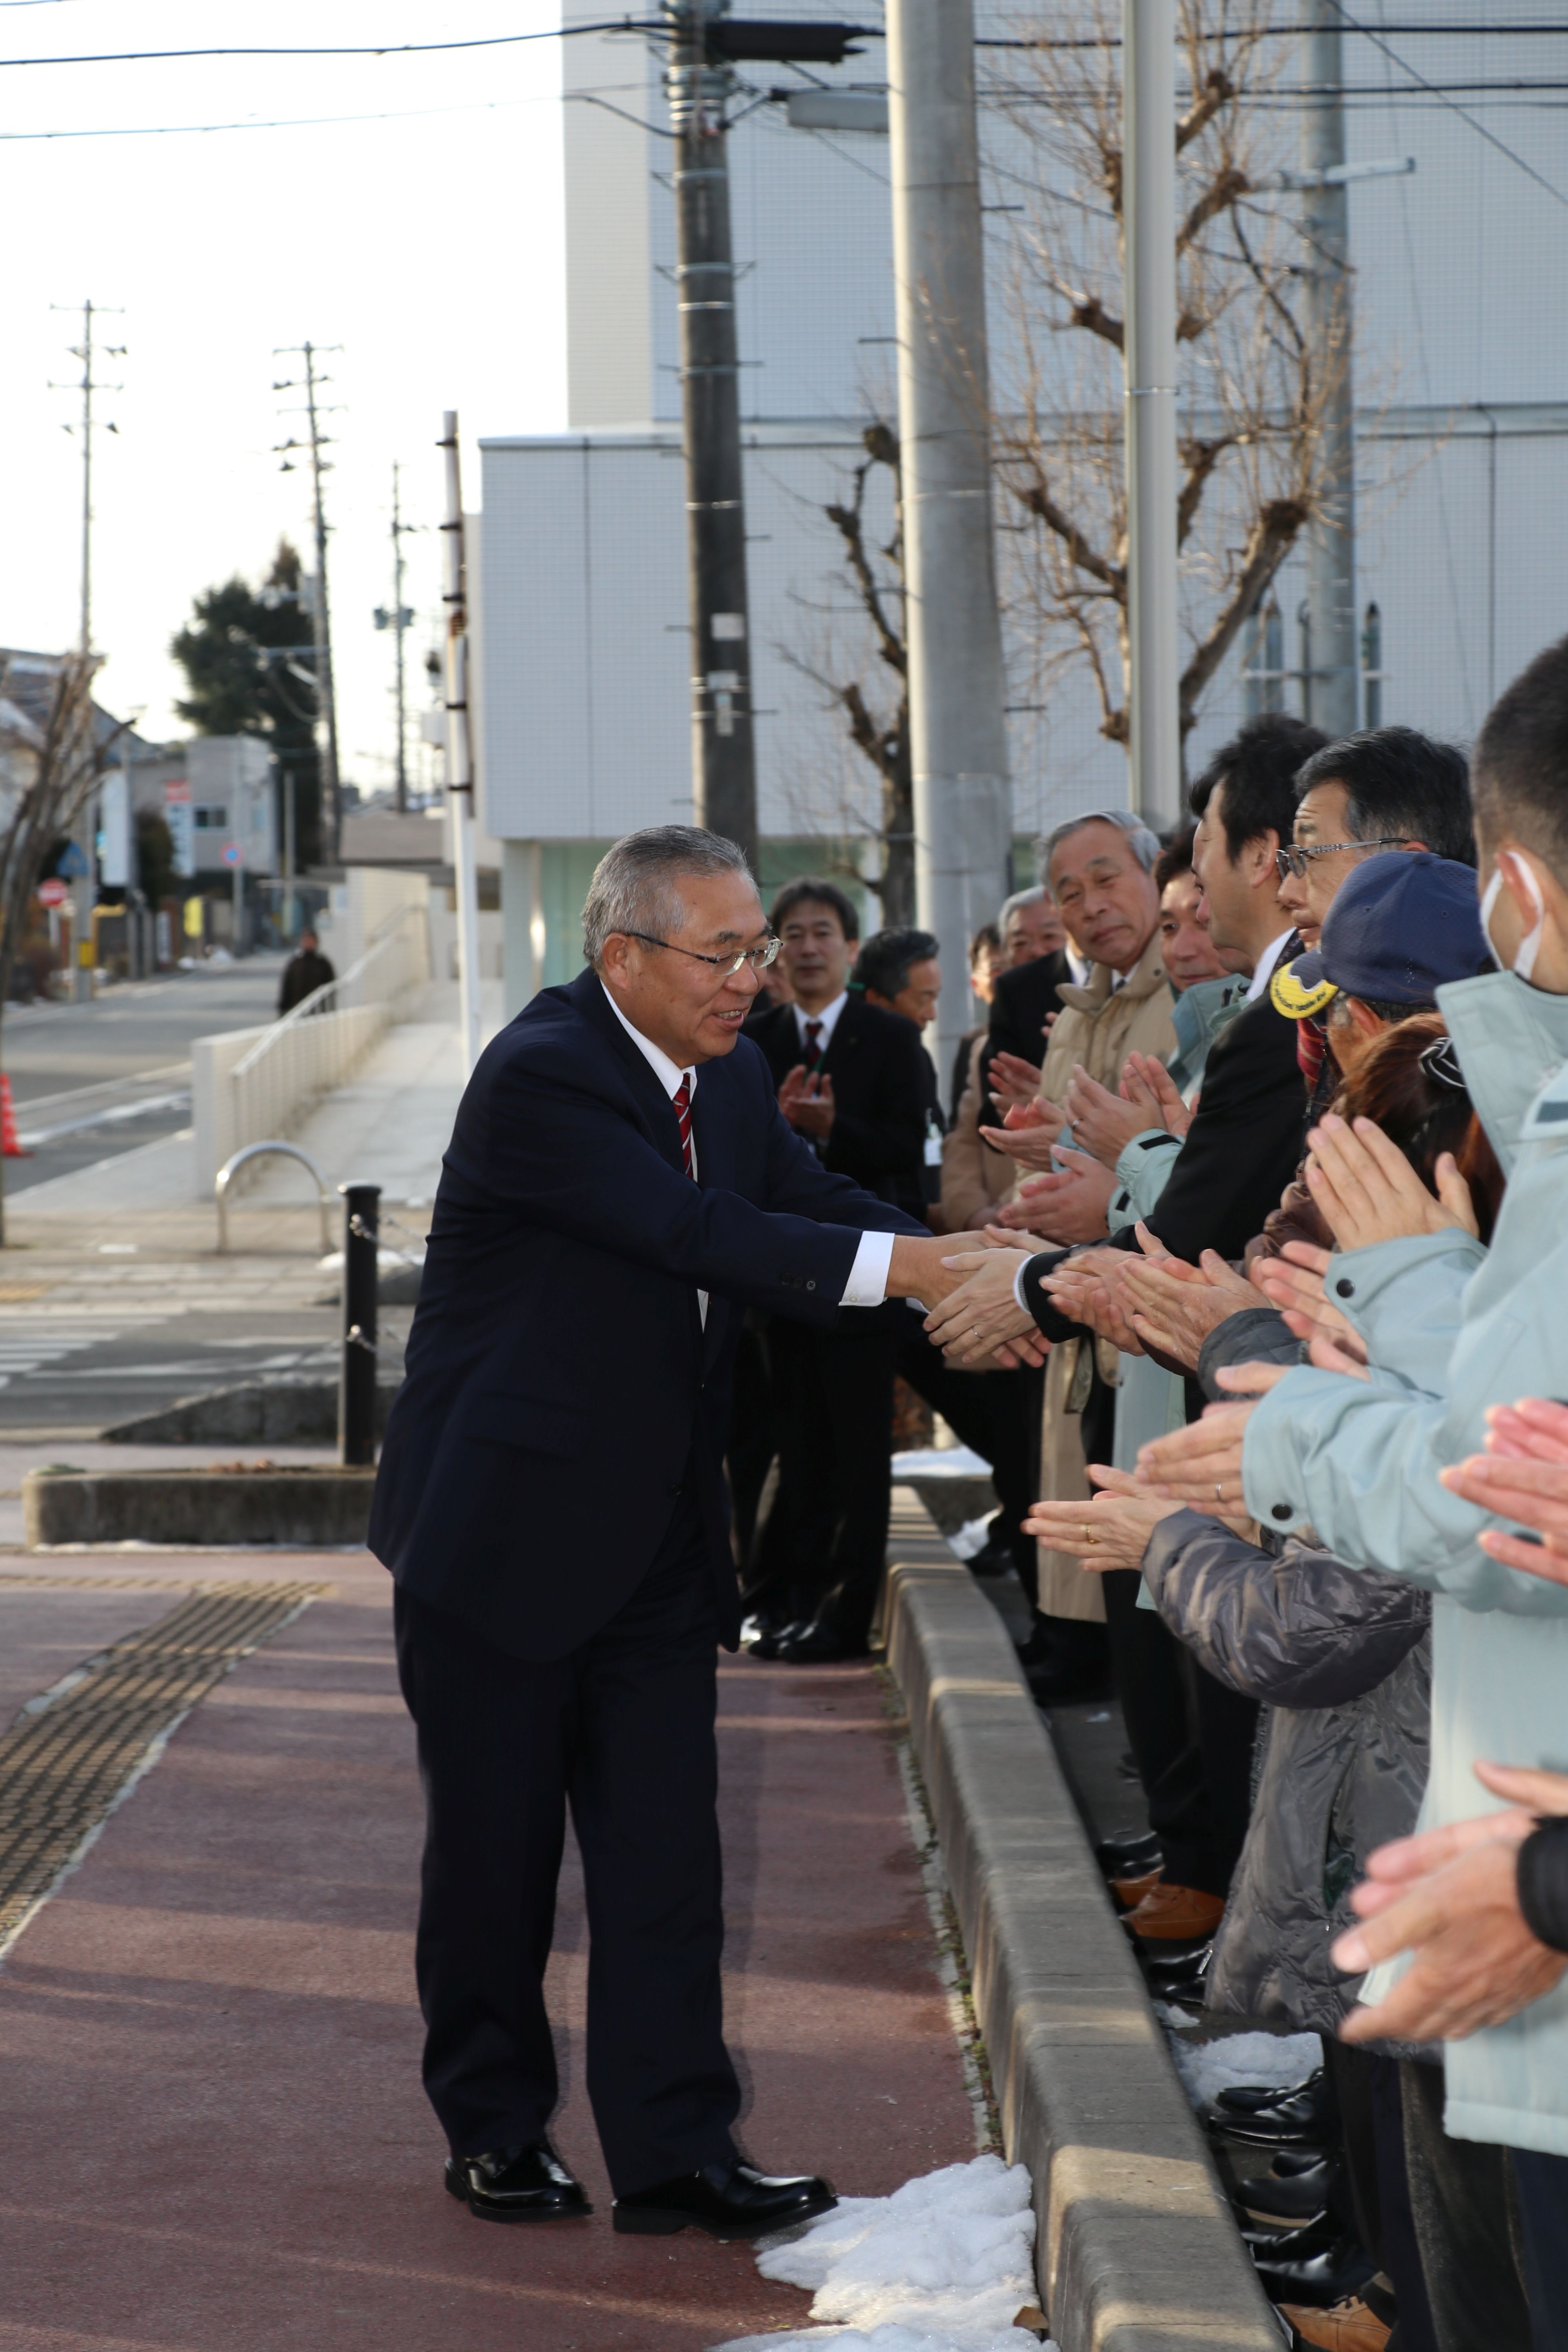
356	1385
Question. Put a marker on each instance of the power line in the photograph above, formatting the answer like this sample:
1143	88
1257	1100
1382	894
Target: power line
305	121
1465	116
388	49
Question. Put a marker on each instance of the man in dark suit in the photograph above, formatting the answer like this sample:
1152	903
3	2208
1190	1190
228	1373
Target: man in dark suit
854	1079
1039	961
619	1187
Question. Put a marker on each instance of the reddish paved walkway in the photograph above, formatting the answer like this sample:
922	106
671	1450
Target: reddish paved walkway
214	2132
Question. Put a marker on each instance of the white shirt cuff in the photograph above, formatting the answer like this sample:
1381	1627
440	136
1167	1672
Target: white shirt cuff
868	1283
1018	1289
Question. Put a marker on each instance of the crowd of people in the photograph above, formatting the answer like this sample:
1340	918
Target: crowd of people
1254	1177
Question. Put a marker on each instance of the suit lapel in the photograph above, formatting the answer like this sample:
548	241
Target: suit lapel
588	994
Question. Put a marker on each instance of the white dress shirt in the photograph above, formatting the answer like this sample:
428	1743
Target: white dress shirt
868	1283
829	1017
1264	970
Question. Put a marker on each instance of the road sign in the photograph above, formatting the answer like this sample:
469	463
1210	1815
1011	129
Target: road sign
70	865
53	893
233	852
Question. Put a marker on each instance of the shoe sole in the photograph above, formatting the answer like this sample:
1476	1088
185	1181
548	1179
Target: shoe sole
649	2221
524	2213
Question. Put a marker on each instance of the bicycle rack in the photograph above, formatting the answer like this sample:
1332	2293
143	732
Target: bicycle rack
257	1152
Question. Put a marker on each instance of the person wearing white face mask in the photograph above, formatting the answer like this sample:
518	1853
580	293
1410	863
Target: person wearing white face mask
1452	1334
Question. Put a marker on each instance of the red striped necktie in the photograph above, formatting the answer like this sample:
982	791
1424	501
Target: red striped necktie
681	1099
813	1044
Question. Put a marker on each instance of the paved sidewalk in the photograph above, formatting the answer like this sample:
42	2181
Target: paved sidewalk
215	2137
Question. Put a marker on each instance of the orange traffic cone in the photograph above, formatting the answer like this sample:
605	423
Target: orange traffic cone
9	1146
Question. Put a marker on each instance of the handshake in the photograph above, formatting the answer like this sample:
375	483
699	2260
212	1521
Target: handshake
966	1282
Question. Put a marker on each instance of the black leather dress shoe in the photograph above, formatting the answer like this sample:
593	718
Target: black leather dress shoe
517	2184
1313	2236
728	2201
1290	2200
1246	2098
1169	1977
817	1645
1303	2119
1317	2279
1058	1684
995	1557
1125	1857
764	1642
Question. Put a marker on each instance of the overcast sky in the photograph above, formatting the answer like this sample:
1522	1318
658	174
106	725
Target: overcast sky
428	244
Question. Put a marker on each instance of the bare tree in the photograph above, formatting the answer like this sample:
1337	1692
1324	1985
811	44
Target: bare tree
1253	387
54	758
878	726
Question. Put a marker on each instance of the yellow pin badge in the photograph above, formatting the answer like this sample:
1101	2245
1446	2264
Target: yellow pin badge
1298	1000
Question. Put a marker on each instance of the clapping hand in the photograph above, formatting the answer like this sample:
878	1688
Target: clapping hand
807	1102
1368	1191
1012	1079
1028	1131
1110	1531
1451	1897
1065	1206
1088	1288
1522	1477
1175	1306
1101	1122
1294	1283
1201	1465
1153	1094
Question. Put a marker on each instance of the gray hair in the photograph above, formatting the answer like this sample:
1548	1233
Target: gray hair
1141	840
635	883
1020	898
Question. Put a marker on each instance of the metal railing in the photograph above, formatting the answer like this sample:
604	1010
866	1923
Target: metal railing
231	1168
250	1086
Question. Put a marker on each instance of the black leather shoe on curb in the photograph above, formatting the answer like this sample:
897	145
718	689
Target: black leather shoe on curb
1305	2117
728	2201
517	2184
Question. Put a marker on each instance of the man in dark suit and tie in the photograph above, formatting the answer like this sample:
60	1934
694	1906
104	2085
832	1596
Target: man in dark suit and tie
854	1081
620	1186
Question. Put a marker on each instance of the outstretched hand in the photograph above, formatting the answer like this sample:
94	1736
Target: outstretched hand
1101	1123
1294	1283
1028	1131
1112	1530
807	1102
1451	1897
1175	1305
1522	1476
1201	1465
1066	1206
981	1312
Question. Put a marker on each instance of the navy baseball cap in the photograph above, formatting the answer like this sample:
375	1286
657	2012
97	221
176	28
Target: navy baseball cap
1403	924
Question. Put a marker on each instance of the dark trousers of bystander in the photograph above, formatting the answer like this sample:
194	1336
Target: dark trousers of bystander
621	1729
1467	2224
1367	2090
985	1411
836	1398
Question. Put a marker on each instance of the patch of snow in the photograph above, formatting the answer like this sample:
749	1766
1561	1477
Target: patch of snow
972	1537
940	1462
1207	2068
941	2265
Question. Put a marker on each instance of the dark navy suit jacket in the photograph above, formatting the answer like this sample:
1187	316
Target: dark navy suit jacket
559	1380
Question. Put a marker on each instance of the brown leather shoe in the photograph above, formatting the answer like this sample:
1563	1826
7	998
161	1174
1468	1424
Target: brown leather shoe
1176	1915
1129	1891
1348	2326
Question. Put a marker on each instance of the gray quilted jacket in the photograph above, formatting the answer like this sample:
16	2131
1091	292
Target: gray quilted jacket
1342	1658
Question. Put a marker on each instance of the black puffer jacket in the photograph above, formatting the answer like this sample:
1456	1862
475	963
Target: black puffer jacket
1342	1658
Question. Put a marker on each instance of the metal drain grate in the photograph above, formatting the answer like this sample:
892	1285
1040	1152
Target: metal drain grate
73	1753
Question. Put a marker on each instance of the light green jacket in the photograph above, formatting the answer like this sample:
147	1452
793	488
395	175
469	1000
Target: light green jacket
1452	1329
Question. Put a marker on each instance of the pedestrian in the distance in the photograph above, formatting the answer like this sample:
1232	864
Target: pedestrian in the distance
306	971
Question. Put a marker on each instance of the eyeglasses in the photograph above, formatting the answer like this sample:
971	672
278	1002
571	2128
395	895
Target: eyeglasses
1294	860
758	957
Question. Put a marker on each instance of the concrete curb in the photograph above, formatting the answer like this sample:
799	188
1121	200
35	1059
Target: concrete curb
1136	2250
307	1508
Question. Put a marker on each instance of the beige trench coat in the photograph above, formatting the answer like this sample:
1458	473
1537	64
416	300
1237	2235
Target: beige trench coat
1098	1029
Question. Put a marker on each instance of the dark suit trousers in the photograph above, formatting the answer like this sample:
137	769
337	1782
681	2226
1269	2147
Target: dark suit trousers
622	1730
835	1463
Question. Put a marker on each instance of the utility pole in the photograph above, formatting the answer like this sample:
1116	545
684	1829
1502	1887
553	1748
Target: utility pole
398	620
311	384
723	750
958	735
1149	221
86	385
1330	691
460	759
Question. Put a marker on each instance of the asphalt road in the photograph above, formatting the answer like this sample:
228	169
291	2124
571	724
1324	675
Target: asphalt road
90	1081
81	1374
